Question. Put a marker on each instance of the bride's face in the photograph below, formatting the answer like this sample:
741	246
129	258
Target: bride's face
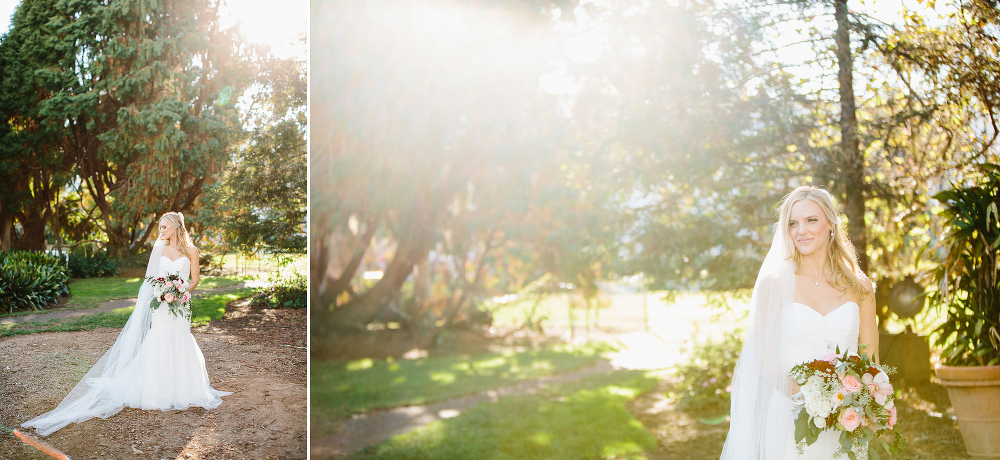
166	231
809	228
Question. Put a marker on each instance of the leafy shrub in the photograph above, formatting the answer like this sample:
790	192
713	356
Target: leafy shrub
706	378
94	266
967	278
288	293
31	280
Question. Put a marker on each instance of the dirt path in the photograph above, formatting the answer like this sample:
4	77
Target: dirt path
257	354
106	306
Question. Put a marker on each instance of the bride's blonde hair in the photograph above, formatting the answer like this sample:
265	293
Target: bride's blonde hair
844	269
176	220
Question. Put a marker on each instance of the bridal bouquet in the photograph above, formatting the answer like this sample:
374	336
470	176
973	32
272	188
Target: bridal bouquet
850	394
171	292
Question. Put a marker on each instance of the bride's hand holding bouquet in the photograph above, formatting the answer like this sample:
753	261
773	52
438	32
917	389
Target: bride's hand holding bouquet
851	394
171	292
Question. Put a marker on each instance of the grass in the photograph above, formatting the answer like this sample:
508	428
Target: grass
583	419
91	292
204	309
341	388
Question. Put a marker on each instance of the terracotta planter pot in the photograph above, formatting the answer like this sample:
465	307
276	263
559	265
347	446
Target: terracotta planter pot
975	395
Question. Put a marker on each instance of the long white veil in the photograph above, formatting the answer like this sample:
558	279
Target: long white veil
98	393
760	413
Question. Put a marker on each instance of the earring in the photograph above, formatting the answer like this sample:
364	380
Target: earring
831	233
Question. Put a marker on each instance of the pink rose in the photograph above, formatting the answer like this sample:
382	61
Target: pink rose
169	297
850	418
168	284
851	383
892	418
832	357
187	297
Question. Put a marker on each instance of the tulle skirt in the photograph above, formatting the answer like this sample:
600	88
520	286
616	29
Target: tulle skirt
169	369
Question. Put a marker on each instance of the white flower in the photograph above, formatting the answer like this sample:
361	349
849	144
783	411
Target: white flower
817	403
820	422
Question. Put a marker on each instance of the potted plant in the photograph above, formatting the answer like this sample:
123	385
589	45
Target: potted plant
968	287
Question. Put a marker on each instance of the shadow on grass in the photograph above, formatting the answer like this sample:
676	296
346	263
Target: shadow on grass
341	388
583	419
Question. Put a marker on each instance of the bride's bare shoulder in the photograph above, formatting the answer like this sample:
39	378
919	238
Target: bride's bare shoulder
193	250
867	288
866	282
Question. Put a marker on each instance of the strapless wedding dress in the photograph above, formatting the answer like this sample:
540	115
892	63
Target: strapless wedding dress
169	368
807	335
153	364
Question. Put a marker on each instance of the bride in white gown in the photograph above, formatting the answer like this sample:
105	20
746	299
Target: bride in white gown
810	298
155	362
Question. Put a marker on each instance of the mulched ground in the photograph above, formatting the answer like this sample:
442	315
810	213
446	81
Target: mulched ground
258	354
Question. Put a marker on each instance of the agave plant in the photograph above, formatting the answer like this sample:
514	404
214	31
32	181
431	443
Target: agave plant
968	285
31	280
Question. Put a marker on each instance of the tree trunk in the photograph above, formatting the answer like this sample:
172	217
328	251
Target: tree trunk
362	310
342	283
319	258
853	177
33	224
118	243
6	224
418	224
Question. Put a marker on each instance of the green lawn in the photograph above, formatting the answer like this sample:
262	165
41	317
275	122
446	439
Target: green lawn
584	419
91	292
204	309
341	388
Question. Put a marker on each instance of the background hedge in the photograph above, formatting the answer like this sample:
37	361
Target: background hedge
93	266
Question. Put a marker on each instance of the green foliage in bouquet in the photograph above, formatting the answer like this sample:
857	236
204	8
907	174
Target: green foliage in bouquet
968	282
31	280
850	394
706	377
93	266
287	293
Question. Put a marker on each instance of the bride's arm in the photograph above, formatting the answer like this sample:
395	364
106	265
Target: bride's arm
195	267
869	326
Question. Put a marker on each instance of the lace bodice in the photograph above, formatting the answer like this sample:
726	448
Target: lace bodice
181	267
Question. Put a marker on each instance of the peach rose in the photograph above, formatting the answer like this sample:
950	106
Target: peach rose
169	297
850	418
851	383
